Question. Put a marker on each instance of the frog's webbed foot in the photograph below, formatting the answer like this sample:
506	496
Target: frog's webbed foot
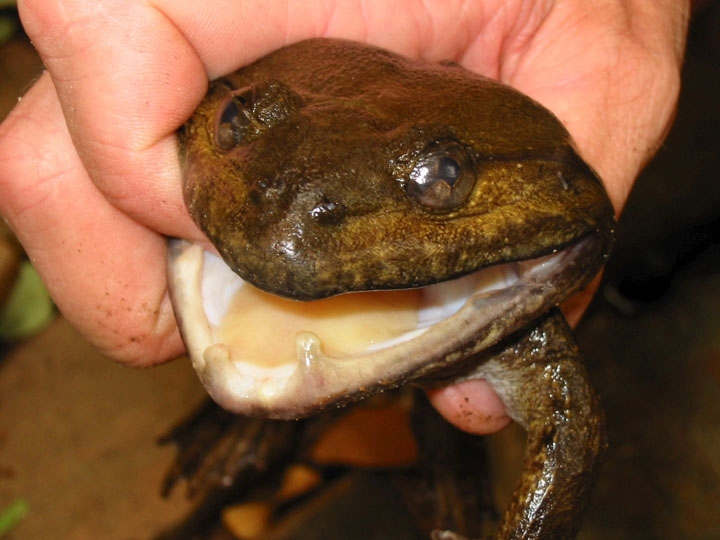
545	387
221	454
220	450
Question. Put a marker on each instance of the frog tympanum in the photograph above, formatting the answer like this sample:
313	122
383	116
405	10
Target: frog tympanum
379	221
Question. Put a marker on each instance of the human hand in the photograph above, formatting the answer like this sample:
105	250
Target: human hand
89	177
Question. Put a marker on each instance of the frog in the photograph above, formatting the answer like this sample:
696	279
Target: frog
376	221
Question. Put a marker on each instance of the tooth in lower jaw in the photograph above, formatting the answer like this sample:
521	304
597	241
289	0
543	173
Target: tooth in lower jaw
309	353
217	353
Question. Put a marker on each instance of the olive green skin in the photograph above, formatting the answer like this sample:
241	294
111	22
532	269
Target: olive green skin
309	198
313	203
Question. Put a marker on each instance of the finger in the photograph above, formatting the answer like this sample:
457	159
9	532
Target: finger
126	80
128	73
472	406
616	88
230	37
106	272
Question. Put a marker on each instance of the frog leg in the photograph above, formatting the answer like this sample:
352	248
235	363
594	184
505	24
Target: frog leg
545	386
449	488
222	456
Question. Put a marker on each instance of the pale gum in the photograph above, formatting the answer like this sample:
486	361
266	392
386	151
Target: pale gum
345	324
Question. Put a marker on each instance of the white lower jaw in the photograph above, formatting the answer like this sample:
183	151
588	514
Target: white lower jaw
203	290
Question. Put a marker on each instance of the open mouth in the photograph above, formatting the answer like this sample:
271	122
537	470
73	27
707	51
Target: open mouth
257	353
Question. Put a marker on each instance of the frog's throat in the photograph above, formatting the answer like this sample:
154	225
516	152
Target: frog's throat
455	319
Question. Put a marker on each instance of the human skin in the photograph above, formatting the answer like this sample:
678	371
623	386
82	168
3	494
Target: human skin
89	175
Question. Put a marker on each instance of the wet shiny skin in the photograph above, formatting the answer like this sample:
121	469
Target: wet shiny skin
331	167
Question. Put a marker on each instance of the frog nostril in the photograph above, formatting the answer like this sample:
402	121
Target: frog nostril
231	125
328	213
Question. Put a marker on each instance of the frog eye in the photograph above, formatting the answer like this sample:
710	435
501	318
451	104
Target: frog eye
443	177
232	124
252	110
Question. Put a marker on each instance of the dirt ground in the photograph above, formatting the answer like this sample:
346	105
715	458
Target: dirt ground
77	432
77	438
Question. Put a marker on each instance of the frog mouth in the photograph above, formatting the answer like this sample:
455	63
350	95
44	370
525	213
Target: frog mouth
260	354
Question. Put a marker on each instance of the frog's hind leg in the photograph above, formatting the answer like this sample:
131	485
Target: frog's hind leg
450	486
540	376
223	456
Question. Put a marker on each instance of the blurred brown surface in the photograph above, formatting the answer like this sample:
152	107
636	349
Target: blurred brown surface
77	439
